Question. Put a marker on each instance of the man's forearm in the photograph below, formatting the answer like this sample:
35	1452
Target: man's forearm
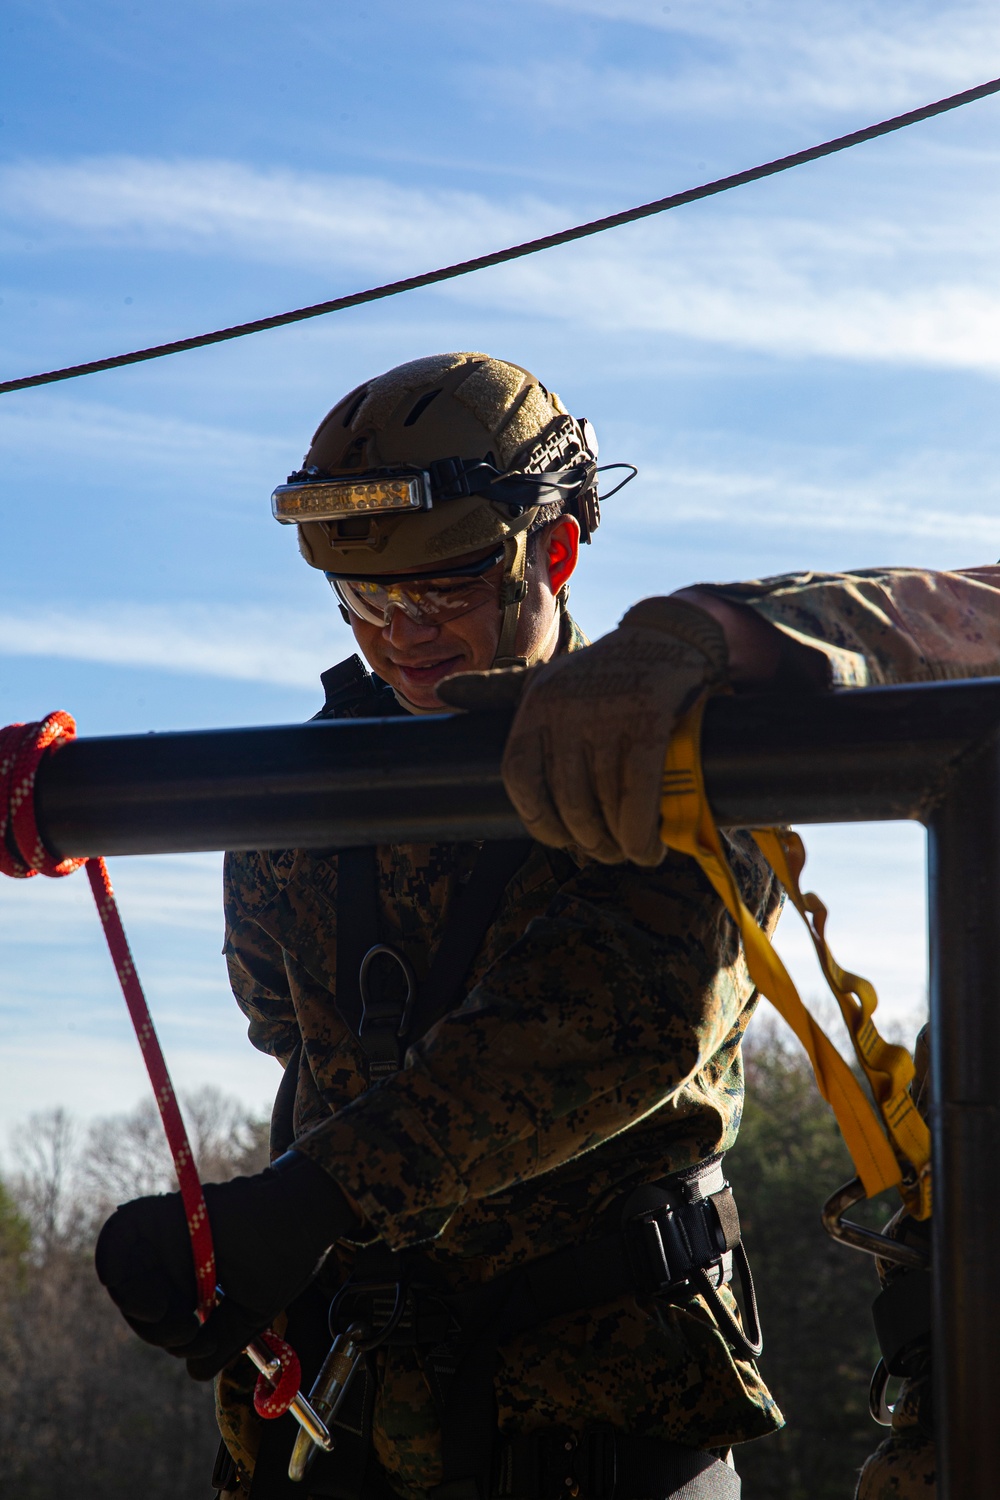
878	625
758	651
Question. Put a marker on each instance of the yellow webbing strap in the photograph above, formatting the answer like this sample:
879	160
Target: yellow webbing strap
893	1152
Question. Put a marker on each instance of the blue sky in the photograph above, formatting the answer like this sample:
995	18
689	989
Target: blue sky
805	371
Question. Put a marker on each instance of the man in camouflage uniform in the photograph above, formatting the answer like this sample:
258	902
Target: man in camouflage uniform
594	1046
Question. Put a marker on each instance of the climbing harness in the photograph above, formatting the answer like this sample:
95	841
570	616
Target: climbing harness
667	1242
664	1242
24	855
890	1148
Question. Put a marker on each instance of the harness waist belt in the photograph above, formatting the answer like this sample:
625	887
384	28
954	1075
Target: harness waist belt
607	1465
675	1240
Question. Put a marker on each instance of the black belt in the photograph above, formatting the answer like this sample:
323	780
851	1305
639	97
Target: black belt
674	1241
608	1465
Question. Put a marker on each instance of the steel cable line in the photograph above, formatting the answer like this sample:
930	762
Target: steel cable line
514	252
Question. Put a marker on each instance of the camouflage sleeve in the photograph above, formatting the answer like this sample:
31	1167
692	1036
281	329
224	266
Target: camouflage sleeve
885	625
610	1006
256	962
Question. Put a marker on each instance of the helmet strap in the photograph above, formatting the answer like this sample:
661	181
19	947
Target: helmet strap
512	594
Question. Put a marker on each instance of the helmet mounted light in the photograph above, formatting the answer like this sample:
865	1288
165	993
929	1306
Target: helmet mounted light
310	495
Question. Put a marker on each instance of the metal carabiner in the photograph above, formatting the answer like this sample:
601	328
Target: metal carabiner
408	975
327	1394
868	1240
878	1407
347	1352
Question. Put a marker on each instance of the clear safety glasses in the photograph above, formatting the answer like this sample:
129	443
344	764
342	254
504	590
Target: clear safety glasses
429	600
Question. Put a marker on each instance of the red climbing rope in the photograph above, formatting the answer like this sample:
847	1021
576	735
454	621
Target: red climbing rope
274	1400
24	855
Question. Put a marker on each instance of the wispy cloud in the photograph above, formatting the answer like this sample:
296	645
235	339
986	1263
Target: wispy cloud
901	505
925	496
282	217
876	276
241	644
769	56
54	964
928	496
94	430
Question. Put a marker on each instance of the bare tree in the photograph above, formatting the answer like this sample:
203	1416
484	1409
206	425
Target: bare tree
227	1139
126	1156
44	1185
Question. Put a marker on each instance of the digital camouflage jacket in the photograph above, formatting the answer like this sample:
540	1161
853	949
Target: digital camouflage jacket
598	1047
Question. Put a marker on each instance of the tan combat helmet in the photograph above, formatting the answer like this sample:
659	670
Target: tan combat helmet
439	459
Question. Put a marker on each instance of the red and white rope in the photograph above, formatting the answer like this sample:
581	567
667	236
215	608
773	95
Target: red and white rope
23	855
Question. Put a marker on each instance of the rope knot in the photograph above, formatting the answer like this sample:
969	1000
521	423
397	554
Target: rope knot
22	746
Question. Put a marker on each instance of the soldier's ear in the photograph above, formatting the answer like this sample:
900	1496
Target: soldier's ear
562	551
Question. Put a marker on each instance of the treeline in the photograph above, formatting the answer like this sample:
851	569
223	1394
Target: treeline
815	1295
88	1410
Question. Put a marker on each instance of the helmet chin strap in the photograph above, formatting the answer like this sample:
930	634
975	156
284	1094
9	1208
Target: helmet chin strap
512	594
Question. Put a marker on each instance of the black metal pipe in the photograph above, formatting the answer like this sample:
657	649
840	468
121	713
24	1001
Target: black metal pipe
815	758
964	918
311	785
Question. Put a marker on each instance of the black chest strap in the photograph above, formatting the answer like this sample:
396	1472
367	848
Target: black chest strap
388	1015
385	1021
474	909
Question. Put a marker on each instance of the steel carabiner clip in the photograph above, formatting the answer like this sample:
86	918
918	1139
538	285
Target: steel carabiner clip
346	1353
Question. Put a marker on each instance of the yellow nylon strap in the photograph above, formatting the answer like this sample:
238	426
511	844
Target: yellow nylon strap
887	1067
688	825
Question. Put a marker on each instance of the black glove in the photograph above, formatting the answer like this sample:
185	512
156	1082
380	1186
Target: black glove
270	1231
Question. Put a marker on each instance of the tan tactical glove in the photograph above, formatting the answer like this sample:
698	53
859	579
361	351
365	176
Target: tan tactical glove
584	759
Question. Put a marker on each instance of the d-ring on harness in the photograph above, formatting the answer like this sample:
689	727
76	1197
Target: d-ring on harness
384	1025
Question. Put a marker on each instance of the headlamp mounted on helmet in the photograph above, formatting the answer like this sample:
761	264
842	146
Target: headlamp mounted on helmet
310	495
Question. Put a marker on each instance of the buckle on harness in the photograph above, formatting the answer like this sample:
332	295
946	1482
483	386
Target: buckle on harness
681	1237
669	1239
372	1013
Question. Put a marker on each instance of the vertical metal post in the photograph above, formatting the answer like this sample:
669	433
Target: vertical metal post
964	914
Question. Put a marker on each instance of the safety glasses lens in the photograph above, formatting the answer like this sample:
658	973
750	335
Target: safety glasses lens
429	601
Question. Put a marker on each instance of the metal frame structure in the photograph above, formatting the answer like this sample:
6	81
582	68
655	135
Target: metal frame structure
929	752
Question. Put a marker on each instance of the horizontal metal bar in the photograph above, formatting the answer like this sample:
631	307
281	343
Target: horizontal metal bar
878	753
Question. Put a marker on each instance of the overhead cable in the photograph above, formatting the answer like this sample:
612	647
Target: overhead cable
514	252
